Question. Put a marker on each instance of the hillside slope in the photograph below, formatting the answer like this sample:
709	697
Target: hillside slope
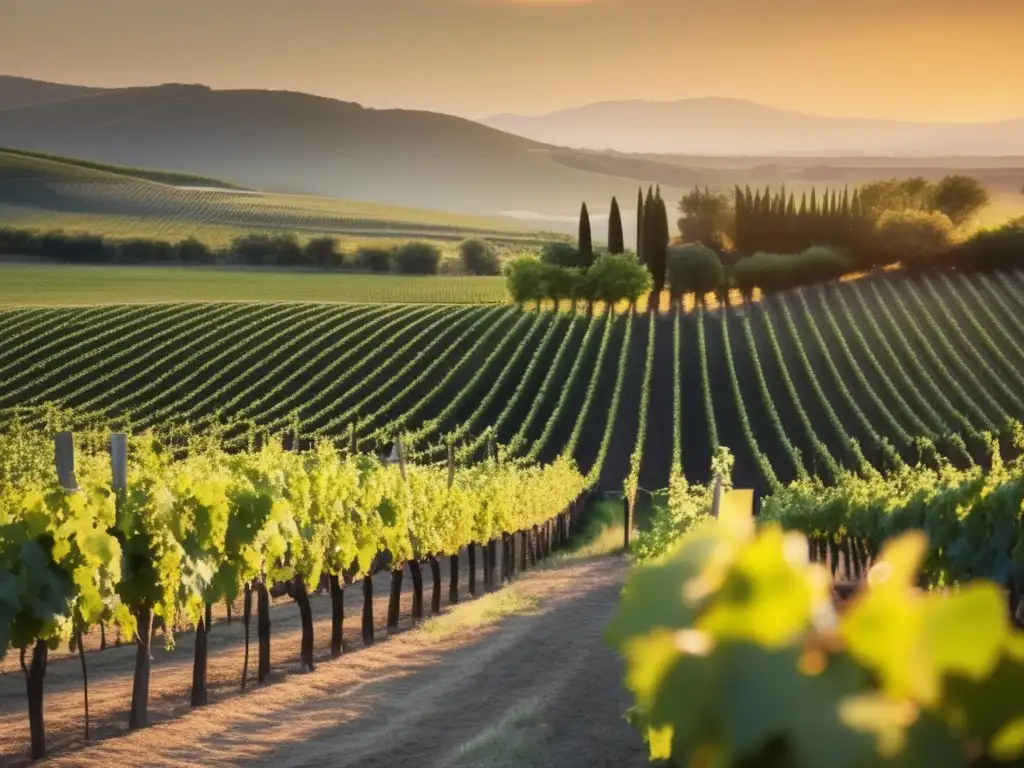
22	91
50	192
293	142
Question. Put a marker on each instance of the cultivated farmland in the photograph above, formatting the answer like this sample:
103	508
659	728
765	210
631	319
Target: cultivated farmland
799	384
69	284
44	192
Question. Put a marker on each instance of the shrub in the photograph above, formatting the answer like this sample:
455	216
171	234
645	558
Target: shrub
525	279
918	239
762	270
269	249
707	217
453	267
992	249
479	257
75	248
693	268
194	251
374	259
775	272
818	264
892	195
417	259
960	198
616	278
140	250
320	251
562	255
18	242
558	283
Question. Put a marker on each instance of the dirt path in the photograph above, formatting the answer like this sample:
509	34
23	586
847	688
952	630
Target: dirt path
532	688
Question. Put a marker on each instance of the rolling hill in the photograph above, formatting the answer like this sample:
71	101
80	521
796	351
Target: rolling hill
50	192
718	126
22	92
297	143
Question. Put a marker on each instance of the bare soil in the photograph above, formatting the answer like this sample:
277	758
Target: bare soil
534	689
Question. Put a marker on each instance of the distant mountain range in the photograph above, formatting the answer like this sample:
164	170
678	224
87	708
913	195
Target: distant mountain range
718	126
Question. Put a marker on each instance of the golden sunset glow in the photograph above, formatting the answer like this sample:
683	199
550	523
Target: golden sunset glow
913	59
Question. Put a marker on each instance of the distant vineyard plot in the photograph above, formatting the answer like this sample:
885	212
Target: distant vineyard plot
44	192
66	285
802	383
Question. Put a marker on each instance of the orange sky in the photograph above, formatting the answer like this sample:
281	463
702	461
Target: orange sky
914	59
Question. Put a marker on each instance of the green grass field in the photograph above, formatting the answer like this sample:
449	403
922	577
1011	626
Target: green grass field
70	285
47	193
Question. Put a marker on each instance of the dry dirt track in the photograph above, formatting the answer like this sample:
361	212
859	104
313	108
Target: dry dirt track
527	690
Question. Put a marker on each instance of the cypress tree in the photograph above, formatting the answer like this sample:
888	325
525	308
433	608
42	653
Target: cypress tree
640	224
756	223
658	247
803	205
739	202
666	227
844	225
814	201
615	239
857	225
821	231
650	215
586	244
791	226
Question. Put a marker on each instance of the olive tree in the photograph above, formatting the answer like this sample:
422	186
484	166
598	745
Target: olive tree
616	278
693	268
525	279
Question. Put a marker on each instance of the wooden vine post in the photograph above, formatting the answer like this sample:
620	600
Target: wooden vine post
199	697
368	608
263	631
246	622
337	591
435	578
627	516
716	498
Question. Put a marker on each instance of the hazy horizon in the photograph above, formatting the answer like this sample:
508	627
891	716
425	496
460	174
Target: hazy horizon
477	58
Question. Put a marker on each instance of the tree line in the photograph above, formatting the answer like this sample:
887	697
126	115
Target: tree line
767	240
915	222
476	256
